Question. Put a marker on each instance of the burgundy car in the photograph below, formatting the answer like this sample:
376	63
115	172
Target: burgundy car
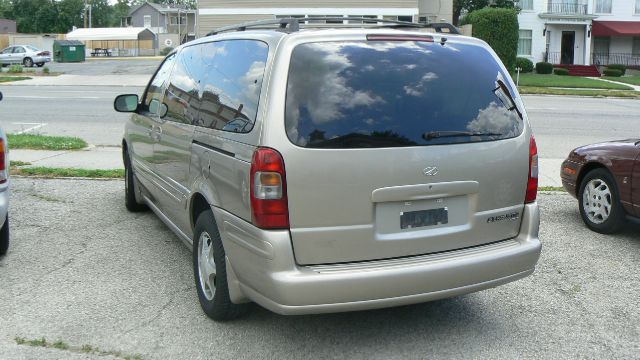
605	178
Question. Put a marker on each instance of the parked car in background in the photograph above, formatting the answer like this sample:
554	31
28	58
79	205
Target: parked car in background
4	192
350	180
26	55
605	178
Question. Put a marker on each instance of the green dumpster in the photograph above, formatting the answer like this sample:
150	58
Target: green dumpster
68	51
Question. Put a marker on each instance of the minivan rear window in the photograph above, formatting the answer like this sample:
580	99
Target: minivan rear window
370	94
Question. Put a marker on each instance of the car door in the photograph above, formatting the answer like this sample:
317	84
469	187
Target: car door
5	55
18	55
143	129
172	150
635	184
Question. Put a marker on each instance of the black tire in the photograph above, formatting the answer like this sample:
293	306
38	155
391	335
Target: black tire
4	237
28	62
217	305
40	64
611	218
130	188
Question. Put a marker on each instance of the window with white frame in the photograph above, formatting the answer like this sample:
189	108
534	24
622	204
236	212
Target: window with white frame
147	21
525	4
603	6
601	44
637	11
524	42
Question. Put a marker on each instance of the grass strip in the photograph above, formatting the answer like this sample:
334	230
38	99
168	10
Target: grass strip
551	80
578	92
551	188
49	172
4	79
18	163
633	80
86	349
44	142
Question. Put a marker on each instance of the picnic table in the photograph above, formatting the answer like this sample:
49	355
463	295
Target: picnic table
101	52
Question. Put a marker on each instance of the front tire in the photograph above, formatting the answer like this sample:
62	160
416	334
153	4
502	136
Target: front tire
210	272
599	201
28	62
4	237
131	188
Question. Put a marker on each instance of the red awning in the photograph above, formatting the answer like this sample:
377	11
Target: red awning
615	28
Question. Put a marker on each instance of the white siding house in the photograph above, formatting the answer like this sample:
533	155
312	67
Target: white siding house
581	32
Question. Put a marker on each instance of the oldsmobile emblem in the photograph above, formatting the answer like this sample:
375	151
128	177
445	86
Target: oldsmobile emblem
430	171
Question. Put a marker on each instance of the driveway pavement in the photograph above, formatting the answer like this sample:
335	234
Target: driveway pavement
83	270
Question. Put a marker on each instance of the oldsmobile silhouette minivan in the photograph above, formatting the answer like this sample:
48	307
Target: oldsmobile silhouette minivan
322	169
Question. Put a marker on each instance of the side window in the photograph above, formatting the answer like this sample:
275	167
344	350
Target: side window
153	96
182	92
18	50
230	76
8	50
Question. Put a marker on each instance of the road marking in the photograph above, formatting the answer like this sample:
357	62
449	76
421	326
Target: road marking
24	131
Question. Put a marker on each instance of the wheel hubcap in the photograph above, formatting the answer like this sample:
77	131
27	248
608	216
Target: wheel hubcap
206	266
596	201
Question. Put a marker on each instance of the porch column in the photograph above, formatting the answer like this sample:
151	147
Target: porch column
587	45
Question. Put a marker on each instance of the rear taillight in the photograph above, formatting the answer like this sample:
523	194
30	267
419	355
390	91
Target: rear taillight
532	183
43	53
3	163
270	209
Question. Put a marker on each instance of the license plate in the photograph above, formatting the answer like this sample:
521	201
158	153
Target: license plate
422	218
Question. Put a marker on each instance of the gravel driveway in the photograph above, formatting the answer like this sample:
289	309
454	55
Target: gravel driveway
83	270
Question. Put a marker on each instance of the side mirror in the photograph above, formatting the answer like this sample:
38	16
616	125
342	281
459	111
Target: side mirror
126	103
0	96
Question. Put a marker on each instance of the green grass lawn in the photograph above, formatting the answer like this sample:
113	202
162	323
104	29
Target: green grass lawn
13	78
43	142
48	172
633	80
552	80
579	92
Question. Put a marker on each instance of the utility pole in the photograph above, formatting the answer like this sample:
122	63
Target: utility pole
84	14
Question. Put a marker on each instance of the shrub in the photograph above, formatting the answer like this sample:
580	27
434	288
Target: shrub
45	70
499	28
166	51
620	67
15	69
612	72
524	64
560	71
544	68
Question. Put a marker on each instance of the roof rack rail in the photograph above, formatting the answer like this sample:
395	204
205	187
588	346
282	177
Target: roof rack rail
290	25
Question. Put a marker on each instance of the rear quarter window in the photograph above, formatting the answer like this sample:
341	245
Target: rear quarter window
397	93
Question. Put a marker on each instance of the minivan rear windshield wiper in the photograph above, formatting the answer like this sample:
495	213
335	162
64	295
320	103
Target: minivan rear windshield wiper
430	135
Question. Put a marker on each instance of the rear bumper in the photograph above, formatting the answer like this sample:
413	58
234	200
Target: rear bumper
4	203
261	268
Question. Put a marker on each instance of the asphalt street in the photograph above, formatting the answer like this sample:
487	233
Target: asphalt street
84	271
82	111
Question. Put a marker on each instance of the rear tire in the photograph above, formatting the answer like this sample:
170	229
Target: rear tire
131	188
599	202
4	237
28	62
210	272
40	64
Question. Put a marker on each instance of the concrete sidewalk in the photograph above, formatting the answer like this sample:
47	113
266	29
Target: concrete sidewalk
92	158
111	158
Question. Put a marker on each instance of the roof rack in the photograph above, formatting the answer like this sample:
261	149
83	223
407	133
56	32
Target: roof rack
290	25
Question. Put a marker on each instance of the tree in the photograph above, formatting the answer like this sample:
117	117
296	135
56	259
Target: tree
70	14
101	13
472	5
120	10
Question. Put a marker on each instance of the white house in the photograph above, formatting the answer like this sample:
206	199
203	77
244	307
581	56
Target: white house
581	32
